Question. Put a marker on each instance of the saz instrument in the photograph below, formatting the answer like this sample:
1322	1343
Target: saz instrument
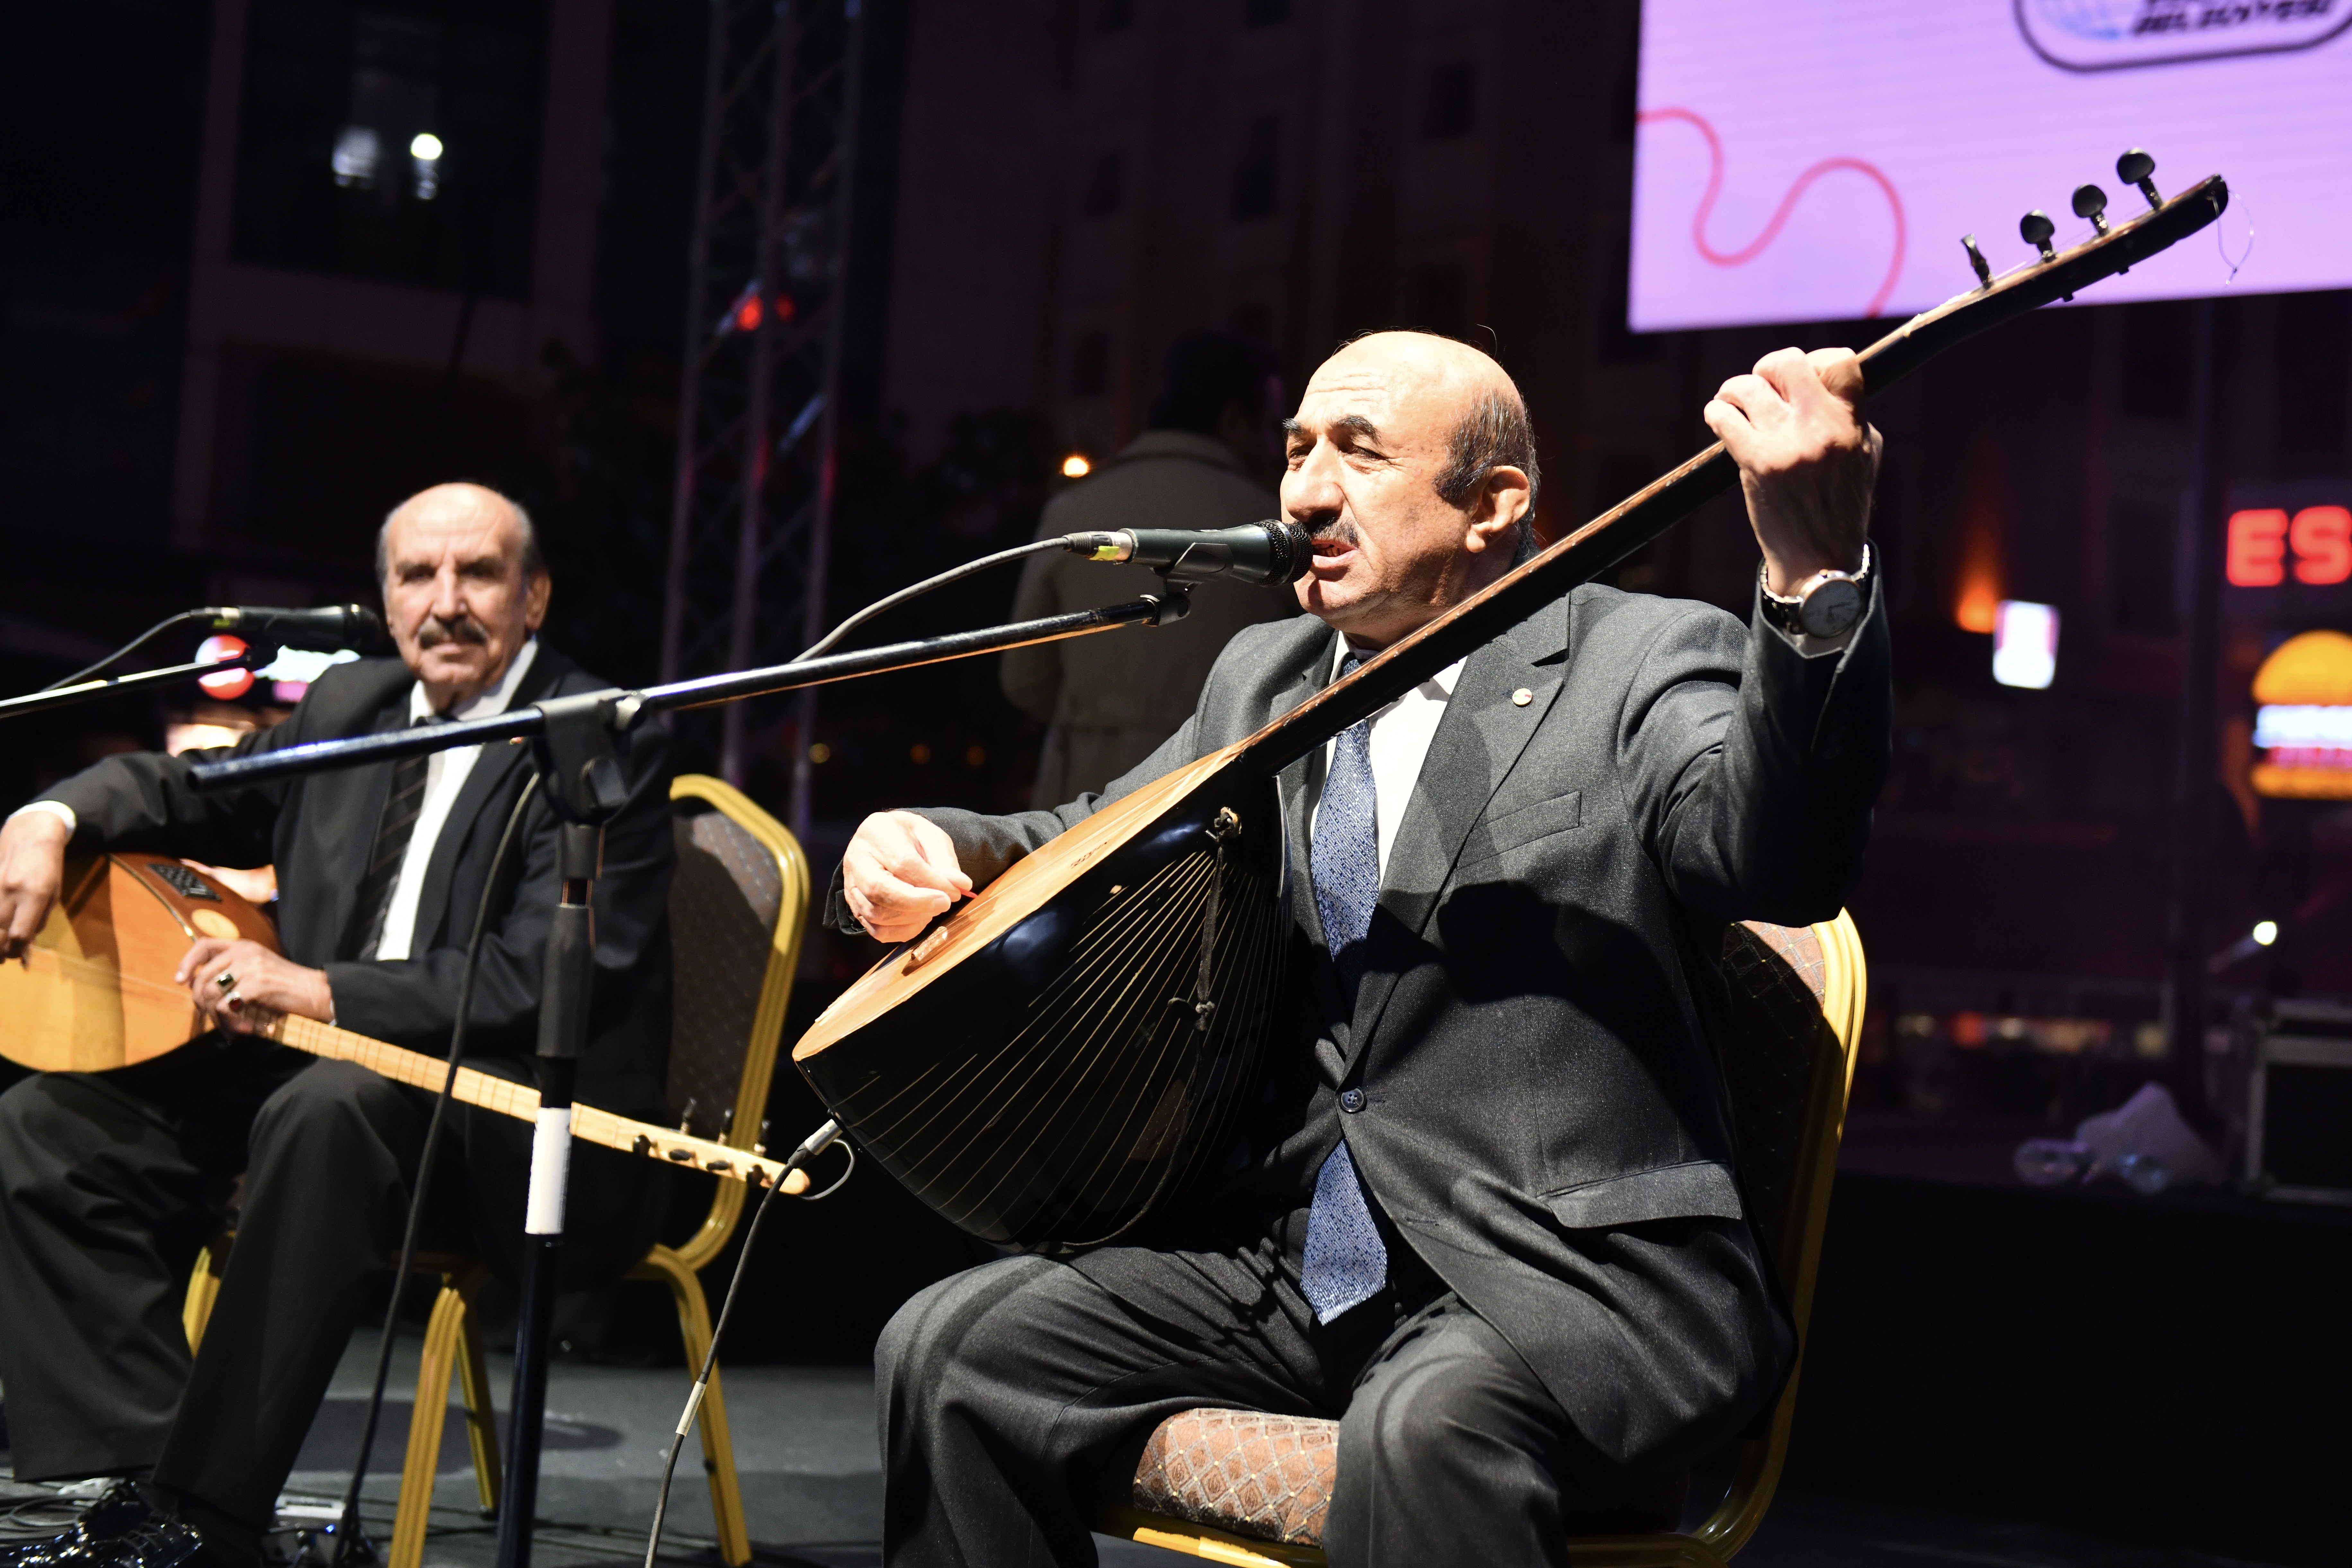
1060	1053
95	993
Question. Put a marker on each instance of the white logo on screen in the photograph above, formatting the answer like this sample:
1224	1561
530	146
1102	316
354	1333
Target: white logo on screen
2112	35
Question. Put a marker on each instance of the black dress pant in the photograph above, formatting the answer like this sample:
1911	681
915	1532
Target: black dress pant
1017	1399
109	1184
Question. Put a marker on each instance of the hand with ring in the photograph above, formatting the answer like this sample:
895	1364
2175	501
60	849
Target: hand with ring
241	985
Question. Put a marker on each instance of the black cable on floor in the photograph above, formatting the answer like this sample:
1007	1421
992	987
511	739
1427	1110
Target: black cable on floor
347	1530
818	1142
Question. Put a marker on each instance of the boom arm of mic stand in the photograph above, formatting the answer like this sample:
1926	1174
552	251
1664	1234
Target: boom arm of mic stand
523	724
88	690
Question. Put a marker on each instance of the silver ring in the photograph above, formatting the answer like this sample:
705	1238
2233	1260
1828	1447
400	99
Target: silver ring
227	982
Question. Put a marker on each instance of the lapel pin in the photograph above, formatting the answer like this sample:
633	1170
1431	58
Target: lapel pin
1522	697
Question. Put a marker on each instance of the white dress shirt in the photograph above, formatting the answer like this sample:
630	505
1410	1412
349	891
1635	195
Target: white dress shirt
445	776
1401	732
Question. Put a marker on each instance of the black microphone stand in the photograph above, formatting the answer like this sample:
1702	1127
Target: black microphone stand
575	749
581	779
90	691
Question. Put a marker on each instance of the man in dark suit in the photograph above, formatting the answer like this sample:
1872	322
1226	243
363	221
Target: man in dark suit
1485	1212
110	1183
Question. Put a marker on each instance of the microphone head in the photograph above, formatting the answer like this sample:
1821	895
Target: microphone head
1293	551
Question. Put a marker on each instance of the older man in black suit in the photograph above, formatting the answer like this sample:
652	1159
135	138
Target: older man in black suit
110	1183
1485	1214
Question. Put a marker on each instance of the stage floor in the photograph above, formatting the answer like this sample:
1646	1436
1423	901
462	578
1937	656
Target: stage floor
813	1486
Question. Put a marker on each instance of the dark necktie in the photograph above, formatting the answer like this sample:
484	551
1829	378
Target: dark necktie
401	807
1345	1261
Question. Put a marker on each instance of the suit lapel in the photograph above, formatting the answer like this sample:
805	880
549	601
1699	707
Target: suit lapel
491	771
1477	743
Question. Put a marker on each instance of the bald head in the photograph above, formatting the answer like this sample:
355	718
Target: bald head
1411	463
464	587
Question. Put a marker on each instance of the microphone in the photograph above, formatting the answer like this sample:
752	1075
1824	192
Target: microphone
353	626
1268	552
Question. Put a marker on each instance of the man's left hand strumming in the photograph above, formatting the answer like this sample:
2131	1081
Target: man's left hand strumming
239	985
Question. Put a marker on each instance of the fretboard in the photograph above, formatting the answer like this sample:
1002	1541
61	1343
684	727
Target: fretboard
520	1101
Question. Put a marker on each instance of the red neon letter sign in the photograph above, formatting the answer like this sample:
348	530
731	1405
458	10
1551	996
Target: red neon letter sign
2322	537
2257	549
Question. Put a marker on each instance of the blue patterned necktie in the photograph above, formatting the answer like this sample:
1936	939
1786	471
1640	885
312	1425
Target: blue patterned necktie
1345	1262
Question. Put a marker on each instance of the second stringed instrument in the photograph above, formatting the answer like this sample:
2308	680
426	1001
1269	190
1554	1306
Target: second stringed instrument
1061	1052
95	993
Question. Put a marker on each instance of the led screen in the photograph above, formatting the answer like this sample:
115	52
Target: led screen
1820	160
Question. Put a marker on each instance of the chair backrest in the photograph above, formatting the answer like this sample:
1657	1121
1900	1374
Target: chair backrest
1795	996
737	907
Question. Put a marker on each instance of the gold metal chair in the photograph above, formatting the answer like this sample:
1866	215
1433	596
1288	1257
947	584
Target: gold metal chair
1249	1490
737	907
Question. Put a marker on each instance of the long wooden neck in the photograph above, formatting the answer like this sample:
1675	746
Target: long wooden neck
507	1098
1665	501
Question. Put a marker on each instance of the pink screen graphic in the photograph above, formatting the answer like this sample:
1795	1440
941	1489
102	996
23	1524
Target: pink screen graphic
1819	160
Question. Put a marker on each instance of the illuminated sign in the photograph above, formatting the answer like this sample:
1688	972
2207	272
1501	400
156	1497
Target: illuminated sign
2025	644
2303	728
2267	543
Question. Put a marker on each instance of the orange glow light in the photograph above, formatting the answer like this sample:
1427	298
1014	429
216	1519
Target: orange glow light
1075	467
1979	606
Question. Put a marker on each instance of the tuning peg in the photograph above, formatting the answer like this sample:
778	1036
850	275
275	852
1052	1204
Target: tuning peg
2036	228
2091	202
686	1118
2134	168
1977	260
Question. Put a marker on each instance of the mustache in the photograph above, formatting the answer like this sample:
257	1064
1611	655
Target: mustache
435	631
1338	529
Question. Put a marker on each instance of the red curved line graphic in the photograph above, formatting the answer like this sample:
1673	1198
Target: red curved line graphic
1788	202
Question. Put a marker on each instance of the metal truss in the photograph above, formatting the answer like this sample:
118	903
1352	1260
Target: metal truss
752	518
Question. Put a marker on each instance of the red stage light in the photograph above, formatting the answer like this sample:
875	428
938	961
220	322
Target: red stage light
229	684
2321	538
2258	548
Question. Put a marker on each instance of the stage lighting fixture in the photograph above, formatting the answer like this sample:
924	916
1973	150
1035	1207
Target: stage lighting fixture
426	148
2025	644
1075	467
2265	932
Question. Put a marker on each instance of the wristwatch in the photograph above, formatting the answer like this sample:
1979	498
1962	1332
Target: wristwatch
1825	604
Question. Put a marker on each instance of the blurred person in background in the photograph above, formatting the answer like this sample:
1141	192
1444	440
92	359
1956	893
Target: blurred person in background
1211	441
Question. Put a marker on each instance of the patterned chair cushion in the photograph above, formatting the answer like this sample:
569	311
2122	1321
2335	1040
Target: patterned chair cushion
1269	1478
1265	1477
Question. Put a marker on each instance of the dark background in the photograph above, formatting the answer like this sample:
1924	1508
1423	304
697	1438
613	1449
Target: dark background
218	369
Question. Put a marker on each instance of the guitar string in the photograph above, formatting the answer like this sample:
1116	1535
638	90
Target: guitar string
1073	990
1147	1020
1113	1028
948	1149
1195	1049
484	1090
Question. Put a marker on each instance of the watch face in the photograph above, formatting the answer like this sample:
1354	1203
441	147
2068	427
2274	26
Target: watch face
1831	608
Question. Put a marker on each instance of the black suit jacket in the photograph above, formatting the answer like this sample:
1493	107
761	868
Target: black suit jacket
1543	1116
318	829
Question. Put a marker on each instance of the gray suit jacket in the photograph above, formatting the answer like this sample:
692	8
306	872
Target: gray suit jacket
1543	1118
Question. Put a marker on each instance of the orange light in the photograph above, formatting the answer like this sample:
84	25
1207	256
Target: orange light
2257	557
2321	538
1075	467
